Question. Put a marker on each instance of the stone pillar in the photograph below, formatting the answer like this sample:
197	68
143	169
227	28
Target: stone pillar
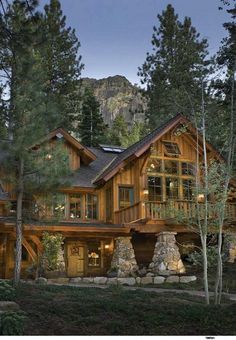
166	259
230	247
123	260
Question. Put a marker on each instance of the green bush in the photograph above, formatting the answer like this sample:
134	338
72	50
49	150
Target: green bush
7	292
196	257
52	244
12	323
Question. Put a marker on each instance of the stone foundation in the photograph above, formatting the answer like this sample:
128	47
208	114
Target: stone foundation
230	247
166	259
123	260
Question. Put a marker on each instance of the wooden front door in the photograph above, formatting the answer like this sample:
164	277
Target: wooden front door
75	256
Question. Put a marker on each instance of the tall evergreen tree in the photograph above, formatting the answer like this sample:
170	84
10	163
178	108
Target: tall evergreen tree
92	129
118	131
62	65
24	112
174	70
223	86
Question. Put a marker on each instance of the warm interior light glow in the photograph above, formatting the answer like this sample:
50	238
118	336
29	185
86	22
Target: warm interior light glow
200	197
107	246
145	192
48	156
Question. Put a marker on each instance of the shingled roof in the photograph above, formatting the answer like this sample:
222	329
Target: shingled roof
85	175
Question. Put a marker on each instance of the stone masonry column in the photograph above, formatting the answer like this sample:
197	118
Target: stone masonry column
230	247
166	258
123	259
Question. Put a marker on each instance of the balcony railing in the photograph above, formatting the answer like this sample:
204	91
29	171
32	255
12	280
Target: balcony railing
172	209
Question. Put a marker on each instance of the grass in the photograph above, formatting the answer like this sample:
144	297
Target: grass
61	310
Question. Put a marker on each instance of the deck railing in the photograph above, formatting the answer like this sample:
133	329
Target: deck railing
172	209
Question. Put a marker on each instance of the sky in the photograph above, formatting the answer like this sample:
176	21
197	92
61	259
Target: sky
115	35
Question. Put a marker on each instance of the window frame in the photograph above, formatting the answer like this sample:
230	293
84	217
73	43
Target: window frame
130	188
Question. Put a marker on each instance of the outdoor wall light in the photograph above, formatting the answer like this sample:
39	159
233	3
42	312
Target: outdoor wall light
145	192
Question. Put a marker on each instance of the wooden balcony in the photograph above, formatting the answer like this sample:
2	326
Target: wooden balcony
166	210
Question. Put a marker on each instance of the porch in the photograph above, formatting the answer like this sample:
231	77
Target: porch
153	211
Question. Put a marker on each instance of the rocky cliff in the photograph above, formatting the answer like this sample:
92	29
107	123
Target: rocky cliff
117	95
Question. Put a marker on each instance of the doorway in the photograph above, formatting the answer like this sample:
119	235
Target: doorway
75	258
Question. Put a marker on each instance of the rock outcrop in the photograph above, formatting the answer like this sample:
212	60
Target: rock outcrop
117	95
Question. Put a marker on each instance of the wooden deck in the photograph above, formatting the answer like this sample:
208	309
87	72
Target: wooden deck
153	211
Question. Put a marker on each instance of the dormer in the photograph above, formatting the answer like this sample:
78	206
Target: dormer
77	152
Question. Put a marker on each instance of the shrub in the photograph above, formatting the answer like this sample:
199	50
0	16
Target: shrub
196	257
52	244
7	292
12	323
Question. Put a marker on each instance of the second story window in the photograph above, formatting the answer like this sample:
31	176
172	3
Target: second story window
171	167
82	206
75	206
91	206
172	188
188	169
188	189
126	197
154	188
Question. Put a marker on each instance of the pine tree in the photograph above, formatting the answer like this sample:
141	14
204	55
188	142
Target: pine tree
62	65
174	70
92	129
24	111
118	132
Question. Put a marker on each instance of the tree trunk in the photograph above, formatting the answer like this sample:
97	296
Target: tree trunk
19	225
218	284
205	268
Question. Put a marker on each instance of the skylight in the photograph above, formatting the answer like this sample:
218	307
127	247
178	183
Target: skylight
112	148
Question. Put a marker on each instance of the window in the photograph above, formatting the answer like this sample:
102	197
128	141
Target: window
75	206
58	205
91	206
188	189
154	188
171	167
172	188
126	197
94	254
188	169
172	148
154	165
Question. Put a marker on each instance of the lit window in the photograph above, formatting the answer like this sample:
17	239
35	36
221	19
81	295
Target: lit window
58	205
154	165
126	197
75	206
172	188
154	189
94	254
172	148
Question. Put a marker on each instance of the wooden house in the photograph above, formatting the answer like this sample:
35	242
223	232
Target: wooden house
115	193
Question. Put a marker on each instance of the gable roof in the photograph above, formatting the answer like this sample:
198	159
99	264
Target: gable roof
87	155
137	149
84	176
